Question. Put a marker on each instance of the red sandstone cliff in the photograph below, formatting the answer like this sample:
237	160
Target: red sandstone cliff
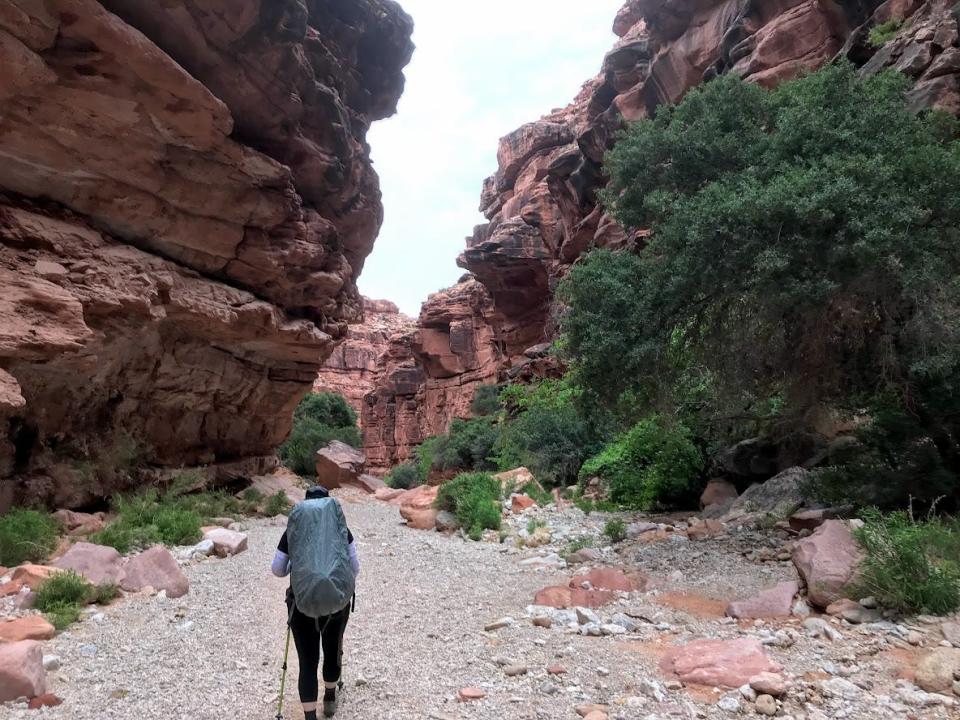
186	199
353	368
542	202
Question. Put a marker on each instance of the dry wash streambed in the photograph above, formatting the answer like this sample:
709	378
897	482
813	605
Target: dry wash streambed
417	638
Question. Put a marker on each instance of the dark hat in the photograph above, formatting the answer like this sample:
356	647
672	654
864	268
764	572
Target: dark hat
315	492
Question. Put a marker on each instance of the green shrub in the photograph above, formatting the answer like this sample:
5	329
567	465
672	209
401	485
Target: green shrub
547	432
404	477
777	265
883	33
63	616
63	588
655	463
615	530
319	419
26	536
910	565
534	491
143	520
533	524
468	445
582	542
486	400
475	500
104	594
278	504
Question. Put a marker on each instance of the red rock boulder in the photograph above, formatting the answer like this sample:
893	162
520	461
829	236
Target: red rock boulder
561	596
32	576
828	561
338	464
519	503
99	564
775	602
718	492
21	670
158	569
718	663
416	507
29	627
606	578
226	543
77	523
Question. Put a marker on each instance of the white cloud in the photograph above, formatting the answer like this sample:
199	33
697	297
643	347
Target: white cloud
480	70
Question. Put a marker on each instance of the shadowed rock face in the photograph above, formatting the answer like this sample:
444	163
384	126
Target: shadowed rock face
187	199
542	204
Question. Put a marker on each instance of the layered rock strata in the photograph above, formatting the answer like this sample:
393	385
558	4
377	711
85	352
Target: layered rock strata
353	368
187	199
542	203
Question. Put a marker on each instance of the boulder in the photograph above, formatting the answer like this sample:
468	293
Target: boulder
718	492
280	480
338	464
387	494
718	663
158	569
780	496
77	523
812	519
446	521
767	683
609	579
705	529
29	627
99	564
560	596
370	484
416	507
21	670
936	671
519	503
775	602
226	542
42	701
827	561
513	480
32	576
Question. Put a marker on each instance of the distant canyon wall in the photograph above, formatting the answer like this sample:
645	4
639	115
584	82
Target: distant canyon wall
542	204
186	200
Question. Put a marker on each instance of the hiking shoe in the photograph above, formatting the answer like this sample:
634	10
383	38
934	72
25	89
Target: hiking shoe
329	706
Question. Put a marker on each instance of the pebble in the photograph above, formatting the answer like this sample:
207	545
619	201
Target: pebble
499	624
766	705
51	663
729	703
515	670
88	651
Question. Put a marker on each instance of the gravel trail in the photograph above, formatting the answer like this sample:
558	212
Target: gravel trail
418	636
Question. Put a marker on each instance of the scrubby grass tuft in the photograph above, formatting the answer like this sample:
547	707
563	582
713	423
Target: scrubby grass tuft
475	499
883	33
534	524
146	519
910	565
582	542
615	530
277	504
26	536
62	596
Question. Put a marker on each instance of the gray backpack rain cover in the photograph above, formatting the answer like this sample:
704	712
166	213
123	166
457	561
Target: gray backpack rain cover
322	577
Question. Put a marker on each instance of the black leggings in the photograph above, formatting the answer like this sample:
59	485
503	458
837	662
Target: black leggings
310	636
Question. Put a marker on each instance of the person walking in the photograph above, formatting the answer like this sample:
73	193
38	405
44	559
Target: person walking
319	553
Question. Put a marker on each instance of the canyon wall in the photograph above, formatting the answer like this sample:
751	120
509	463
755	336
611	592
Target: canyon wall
542	204
186	200
353	368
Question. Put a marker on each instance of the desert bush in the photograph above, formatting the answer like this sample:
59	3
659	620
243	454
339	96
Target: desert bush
777	267
319	419
62	596
655	463
26	536
486	400
910	565
547	432
580	543
404	477
146	519
615	530
533	524
883	33
277	504
475	500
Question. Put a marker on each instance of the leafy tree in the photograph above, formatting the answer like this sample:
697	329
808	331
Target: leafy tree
805	247
319	419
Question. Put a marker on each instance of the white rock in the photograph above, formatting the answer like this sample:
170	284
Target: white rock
729	703
652	689
51	663
611	629
842	688
586	616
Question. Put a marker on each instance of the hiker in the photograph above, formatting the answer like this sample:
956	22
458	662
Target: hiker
318	550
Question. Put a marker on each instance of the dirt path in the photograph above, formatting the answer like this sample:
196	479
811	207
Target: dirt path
417	637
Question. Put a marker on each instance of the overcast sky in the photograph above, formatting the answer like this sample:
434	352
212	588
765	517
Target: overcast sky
481	69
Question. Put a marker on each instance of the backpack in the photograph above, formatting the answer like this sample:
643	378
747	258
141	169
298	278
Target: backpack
321	577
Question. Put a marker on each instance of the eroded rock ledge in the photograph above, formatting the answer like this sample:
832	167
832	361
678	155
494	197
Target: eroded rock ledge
187	202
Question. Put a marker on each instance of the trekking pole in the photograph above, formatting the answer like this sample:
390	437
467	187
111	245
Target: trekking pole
283	676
